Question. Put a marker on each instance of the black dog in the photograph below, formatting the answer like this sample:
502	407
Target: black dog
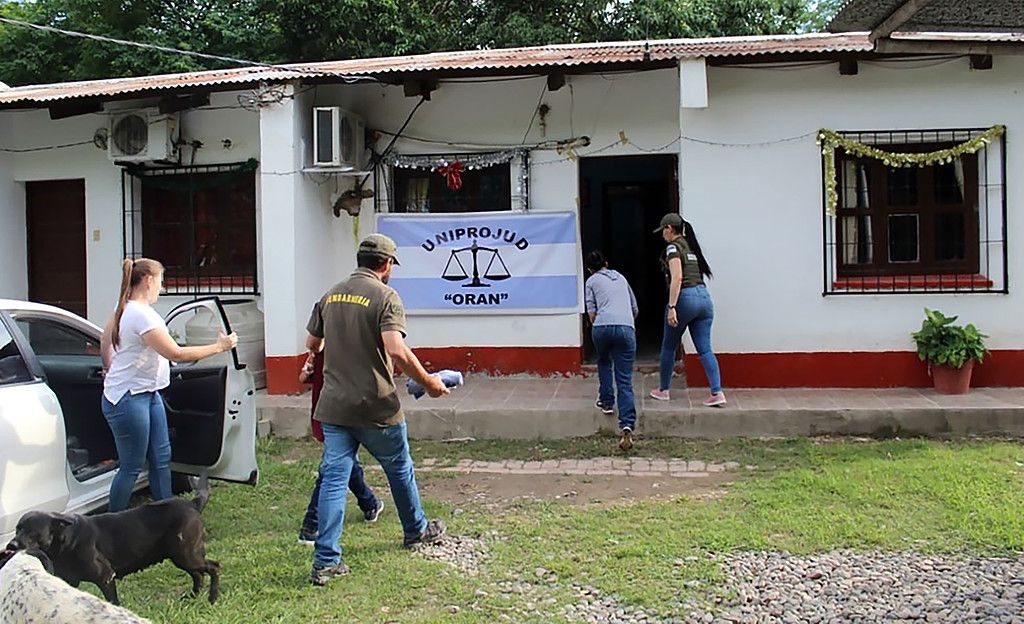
106	546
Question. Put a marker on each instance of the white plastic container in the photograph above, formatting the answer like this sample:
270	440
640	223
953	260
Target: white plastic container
246	321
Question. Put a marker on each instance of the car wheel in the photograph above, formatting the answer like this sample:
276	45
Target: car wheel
182	483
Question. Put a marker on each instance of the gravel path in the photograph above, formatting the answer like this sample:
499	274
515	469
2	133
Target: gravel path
840	587
869	587
770	587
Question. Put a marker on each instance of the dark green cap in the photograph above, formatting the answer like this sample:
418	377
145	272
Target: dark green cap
380	245
671	218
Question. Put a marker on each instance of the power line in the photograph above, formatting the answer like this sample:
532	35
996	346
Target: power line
159	48
44	148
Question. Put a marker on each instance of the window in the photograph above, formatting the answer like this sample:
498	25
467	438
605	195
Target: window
483	190
200	222
12	366
917	229
47	337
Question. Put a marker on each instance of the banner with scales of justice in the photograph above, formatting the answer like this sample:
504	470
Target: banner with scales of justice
486	262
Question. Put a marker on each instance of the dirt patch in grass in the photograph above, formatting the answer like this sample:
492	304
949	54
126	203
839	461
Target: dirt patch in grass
503	491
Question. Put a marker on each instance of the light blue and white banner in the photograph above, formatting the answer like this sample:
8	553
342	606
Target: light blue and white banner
486	262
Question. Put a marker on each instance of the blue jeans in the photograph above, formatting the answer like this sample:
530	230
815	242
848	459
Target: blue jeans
616	348
356	483
695	311
390	445
139	424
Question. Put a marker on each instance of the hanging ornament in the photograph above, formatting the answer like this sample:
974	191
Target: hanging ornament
453	174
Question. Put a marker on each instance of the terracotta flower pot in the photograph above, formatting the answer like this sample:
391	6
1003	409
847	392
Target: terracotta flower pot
949	380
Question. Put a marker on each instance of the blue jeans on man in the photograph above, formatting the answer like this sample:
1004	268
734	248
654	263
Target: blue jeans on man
139	425
695	311
390	446
616	352
356	484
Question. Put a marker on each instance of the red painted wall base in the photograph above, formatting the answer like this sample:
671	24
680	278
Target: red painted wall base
857	369
283	374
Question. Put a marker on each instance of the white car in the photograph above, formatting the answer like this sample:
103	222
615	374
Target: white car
56	450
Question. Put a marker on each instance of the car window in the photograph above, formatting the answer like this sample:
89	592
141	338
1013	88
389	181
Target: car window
49	337
12	366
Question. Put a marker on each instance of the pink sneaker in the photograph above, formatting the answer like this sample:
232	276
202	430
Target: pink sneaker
715	400
661	395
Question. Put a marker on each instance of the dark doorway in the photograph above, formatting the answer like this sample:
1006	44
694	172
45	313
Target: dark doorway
55	224
622	199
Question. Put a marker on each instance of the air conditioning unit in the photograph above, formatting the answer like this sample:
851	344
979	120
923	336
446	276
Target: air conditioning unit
141	136
339	139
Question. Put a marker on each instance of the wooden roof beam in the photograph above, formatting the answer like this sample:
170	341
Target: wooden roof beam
963	48
899	17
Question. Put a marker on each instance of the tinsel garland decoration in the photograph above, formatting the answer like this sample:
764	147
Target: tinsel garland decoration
469	161
830	140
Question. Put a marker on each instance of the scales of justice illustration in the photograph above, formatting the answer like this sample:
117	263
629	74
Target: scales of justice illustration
494	271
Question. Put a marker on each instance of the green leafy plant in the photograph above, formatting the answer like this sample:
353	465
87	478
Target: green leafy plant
941	343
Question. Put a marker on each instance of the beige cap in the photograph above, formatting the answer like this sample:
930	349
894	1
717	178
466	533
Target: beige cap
380	245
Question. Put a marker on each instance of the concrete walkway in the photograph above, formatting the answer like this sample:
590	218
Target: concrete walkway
533	408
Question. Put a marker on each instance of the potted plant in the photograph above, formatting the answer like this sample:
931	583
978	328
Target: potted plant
950	351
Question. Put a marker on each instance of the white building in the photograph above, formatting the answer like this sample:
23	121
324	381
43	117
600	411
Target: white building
723	130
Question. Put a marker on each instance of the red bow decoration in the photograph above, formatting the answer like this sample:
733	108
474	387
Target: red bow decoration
453	174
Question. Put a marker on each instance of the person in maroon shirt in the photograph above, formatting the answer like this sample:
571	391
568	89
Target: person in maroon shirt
313	372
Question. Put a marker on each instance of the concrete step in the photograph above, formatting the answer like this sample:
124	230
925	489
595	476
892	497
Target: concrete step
529	408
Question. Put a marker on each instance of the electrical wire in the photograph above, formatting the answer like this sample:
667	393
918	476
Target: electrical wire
536	109
378	158
159	48
44	148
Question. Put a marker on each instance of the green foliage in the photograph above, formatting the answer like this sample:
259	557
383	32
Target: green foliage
314	30
941	343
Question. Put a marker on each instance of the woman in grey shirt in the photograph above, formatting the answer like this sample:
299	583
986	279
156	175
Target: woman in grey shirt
612	309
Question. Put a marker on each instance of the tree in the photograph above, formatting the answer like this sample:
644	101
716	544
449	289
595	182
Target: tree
313	30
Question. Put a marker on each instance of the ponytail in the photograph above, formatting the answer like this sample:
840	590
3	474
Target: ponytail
691	241
132	273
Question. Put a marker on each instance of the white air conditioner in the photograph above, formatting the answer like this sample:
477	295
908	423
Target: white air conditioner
339	138
141	136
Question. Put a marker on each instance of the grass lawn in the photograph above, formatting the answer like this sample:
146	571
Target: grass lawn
804	496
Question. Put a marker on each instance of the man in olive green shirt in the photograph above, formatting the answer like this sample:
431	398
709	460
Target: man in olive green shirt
362	323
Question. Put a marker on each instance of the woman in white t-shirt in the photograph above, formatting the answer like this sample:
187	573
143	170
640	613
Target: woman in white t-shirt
136	347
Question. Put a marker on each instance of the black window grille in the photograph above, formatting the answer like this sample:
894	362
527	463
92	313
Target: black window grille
929	229
199	221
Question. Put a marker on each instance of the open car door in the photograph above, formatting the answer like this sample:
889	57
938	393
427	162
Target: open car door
33	467
211	407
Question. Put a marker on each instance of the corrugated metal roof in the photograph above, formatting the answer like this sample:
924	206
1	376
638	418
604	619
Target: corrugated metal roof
940	15
475	61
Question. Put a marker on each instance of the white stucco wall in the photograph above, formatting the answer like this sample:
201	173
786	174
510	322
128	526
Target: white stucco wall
306	248
758	211
13	258
644	106
28	129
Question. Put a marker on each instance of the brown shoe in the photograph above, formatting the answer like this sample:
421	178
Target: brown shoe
322	576
626	441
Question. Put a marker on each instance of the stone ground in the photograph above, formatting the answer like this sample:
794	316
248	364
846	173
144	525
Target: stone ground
758	587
